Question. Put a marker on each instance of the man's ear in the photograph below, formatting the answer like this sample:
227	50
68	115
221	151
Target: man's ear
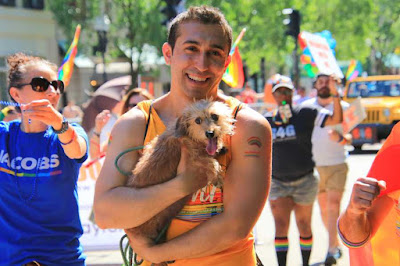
167	52
227	62
15	94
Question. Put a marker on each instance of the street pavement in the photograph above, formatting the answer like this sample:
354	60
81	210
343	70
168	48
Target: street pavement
358	166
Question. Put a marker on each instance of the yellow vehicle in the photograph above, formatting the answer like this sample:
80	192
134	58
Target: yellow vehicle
380	95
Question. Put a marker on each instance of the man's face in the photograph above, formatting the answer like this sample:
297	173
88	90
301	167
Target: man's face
198	61
321	85
283	95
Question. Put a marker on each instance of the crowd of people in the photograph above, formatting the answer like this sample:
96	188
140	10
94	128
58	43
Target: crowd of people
270	156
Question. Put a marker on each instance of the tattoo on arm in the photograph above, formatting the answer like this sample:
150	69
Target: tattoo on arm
255	143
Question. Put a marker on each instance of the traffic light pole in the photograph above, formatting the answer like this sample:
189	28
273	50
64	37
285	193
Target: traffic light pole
296	72
293	29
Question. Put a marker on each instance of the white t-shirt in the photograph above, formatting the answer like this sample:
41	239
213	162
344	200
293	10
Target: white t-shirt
106	131
325	151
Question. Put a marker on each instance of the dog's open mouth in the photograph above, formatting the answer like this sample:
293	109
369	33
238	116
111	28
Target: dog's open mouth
212	146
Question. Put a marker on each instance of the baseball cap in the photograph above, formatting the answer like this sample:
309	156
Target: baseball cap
282	82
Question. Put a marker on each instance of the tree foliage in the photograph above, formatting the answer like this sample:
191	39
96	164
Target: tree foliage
136	23
366	30
359	27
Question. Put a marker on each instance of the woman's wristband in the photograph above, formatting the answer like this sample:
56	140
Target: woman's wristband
349	244
69	142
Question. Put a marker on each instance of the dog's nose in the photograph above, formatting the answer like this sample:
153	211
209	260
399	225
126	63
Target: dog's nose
210	134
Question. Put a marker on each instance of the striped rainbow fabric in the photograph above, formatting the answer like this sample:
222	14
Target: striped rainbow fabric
234	75
352	73
67	65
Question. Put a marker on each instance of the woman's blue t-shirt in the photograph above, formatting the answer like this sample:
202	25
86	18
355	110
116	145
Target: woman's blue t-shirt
39	216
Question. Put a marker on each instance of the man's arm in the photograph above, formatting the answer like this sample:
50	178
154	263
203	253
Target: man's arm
118	206
246	188
337	116
335	136
365	211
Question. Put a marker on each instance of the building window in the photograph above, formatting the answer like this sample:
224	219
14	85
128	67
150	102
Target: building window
7	2
34	4
3	63
3	79
3	86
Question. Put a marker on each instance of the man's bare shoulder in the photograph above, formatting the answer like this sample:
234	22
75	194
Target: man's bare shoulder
130	127
249	124
248	117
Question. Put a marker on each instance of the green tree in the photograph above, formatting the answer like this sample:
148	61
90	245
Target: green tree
69	13
136	27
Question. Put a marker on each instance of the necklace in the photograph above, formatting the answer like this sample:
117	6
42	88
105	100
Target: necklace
274	115
16	175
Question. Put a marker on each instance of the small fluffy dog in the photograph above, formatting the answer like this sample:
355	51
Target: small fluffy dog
201	128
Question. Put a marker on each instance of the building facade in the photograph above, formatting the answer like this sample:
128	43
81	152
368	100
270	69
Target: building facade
25	27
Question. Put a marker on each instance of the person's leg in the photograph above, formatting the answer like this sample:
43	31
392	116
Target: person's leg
322	195
304	197
303	220
281	209
322	202
333	209
334	191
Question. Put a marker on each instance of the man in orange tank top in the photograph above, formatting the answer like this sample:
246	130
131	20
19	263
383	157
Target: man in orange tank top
197	51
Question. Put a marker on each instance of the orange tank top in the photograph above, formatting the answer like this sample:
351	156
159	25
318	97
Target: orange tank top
204	204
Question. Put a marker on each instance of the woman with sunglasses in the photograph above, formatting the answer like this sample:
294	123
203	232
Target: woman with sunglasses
129	101
40	157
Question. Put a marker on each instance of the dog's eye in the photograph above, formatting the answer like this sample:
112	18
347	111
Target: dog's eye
214	117
198	120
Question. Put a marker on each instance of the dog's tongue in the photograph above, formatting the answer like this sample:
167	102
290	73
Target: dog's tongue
212	146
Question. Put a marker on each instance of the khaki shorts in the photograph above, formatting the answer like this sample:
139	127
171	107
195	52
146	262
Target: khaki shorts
332	177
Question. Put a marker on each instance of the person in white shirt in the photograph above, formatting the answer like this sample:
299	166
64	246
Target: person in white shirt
331	165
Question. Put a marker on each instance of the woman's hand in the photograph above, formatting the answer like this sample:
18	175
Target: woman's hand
101	120
43	111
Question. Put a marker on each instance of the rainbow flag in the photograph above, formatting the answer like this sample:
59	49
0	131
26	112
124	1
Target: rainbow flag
234	75
352	73
67	65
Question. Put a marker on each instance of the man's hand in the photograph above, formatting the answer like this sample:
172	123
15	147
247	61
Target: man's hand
141	245
334	135
332	85
101	120
192	181
365	191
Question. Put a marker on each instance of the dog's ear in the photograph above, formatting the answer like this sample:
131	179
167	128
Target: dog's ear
180	128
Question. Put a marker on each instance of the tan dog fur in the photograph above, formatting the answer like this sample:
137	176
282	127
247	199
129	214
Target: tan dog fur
162	155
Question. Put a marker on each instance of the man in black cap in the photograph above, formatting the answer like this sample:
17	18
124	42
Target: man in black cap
294	186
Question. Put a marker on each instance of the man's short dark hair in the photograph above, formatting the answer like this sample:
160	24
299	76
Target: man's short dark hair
204	15
319	76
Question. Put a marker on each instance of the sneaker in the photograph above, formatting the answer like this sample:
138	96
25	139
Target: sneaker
332	257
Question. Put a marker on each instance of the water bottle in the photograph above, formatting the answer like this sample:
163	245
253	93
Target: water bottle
285	112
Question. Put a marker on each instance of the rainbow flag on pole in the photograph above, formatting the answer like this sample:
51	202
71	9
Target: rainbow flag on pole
234	75
67	65
352	73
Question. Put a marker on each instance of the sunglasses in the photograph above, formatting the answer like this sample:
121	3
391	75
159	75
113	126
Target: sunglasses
40	84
